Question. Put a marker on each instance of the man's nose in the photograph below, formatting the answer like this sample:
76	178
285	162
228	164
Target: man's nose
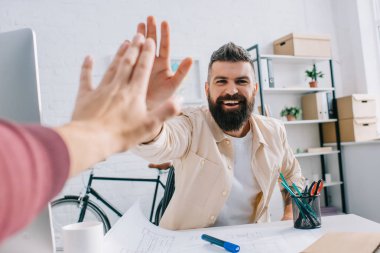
231	89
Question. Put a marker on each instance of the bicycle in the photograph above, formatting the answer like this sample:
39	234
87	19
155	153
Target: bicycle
78	205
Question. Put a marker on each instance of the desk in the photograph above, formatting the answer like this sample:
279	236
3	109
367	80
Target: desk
344	222
281	234
133	233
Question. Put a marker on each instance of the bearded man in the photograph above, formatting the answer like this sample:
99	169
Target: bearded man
227	160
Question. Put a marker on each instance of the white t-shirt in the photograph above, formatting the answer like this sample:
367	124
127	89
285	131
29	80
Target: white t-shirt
239	208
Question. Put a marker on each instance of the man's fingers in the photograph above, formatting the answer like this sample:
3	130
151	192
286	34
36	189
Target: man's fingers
182	71
152	29
129	59
165	40
85	84
141	28
141	73
111	71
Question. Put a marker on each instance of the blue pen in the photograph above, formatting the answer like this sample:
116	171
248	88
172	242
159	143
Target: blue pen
226	245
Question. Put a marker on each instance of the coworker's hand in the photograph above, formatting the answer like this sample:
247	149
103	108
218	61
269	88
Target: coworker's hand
118	105
85	108
163	82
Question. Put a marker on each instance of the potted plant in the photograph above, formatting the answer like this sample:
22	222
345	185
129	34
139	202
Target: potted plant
291	113
313	74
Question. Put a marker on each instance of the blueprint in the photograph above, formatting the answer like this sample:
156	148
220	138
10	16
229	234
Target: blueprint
133	233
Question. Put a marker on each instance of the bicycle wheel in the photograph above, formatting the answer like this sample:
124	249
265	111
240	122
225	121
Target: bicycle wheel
66	211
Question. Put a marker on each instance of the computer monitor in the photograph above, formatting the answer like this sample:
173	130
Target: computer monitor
36	237
19	82
20	102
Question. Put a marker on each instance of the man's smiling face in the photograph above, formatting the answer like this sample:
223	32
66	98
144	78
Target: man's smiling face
231	91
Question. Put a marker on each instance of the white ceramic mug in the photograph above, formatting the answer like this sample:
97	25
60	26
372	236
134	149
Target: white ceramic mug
85	237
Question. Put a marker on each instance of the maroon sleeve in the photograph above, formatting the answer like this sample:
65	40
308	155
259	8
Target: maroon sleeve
34	165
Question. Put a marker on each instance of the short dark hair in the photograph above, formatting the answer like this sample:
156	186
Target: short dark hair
230	52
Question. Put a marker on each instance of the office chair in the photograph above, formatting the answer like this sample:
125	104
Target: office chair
168	193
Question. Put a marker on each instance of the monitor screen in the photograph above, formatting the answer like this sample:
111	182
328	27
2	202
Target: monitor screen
20	102
19	84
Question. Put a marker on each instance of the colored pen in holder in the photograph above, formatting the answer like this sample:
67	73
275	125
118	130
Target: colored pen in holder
306	206
306	211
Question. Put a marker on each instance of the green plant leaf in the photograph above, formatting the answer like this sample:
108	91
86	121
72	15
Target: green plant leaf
313	74
293	110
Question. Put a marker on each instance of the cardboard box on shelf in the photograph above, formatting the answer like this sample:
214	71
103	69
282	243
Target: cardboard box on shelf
356	106
329	134
303	45
351	130
315	106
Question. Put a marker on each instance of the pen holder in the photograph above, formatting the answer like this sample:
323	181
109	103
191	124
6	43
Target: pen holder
306	212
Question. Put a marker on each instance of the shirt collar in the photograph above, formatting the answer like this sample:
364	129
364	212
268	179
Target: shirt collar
256	132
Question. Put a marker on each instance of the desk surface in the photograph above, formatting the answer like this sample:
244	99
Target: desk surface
344	222
281	236
271	237
134	233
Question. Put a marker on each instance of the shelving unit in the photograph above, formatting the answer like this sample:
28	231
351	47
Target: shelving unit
333	184
316	154
355	143
295	90
298	122
300	90
289	58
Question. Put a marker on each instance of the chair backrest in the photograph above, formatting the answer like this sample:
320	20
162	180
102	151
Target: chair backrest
168	193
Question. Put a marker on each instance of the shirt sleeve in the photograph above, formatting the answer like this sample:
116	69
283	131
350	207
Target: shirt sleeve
173	141
34	165
291	168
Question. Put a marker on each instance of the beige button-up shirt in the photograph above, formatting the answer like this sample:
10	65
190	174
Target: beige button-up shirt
203	155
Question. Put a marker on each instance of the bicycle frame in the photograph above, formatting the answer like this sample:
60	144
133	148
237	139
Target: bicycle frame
90	190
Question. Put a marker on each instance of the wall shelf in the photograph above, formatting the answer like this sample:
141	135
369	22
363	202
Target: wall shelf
316	154
298	122
332	184
376	141
294	59
301	90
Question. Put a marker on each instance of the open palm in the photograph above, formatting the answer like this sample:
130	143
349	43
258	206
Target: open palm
163	82
119	102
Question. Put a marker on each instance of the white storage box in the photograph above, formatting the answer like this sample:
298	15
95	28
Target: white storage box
357	106
351	130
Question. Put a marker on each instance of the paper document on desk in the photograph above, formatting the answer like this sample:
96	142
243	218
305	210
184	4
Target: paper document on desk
133	233
348	242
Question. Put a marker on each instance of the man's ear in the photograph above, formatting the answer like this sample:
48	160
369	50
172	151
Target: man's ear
256	88
207	89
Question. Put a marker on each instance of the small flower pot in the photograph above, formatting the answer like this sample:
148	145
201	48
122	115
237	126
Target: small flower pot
290	117
313	84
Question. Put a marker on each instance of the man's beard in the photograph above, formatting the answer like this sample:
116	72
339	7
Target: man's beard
231	120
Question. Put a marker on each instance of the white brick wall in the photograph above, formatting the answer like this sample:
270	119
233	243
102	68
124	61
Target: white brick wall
67	30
